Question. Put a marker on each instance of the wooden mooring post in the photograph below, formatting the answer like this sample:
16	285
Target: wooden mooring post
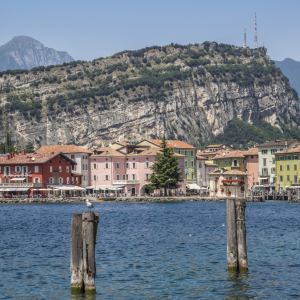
83	240
236	235
289	195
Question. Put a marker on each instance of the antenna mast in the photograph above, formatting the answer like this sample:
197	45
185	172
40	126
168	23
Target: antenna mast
255	34
245	40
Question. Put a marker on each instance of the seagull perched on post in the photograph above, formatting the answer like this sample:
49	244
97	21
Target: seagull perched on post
89	204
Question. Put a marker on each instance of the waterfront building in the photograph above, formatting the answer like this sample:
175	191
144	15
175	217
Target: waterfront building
229	183
28	173
266	160
118	171
214	148
287	168
203	168
252	169
230	160
181	148
78	154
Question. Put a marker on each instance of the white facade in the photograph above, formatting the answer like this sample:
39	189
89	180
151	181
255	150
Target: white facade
82	167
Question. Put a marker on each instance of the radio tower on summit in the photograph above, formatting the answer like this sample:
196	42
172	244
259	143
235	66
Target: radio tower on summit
255	34
245	40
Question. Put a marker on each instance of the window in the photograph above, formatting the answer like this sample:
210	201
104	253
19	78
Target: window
106	166
200	164
118	166
60	169
244	162
295	167
192	174
106	177
72	156
72	180
178	151
185	153
264	151
147	176
36	169
288	177
295	157
295	178
86	166
51	169
225	162
265	171
95	178
36	180
192	163
68	169
281	178
273	160
61	180
192	153
133	165
68	180
118	177
76	180
51	180
251	156
235	163
82	166
264	162
185	163
287	167
280	167
147	165
18	169
133	176
95	166
127	166
280	158
273	170
82	156
186	174
288	158
273	151
125	177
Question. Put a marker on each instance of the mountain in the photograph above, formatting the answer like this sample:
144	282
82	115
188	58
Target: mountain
187	92
291	69
24	52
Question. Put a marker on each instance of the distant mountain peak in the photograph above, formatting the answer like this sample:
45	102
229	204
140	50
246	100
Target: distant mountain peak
23	52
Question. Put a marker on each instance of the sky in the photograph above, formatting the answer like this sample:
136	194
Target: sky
91	29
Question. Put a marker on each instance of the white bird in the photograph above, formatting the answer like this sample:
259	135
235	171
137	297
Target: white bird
89	204
190	235
223	224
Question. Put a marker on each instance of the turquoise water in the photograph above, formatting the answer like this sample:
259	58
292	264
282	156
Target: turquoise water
151	251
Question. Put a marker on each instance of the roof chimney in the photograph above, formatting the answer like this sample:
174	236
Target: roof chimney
23	152
285	142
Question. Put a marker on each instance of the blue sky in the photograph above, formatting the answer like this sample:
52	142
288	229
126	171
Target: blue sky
90	29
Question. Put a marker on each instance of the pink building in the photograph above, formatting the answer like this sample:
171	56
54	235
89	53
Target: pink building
125	171
252	166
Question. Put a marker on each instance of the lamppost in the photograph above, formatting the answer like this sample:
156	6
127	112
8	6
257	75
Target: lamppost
95	186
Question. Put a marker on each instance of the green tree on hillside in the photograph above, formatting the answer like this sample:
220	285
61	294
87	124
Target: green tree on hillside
2	148
166	173
29	148
9	145
18	147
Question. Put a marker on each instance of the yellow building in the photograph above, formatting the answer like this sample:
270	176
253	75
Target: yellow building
230	160
287	168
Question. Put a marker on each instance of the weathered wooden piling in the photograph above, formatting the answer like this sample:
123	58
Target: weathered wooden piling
241	234
89	225
289	194
232	251
83	239
76	254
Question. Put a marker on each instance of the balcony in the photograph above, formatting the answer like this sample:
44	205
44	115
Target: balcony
5	174
21	184
125	181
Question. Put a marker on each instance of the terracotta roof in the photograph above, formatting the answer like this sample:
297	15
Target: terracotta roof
33	158
229	172
107	152
251	151
214	146
123	143
290	150
64	149
210	165
201	157
229	154
75	174
173	144
150	151
277	143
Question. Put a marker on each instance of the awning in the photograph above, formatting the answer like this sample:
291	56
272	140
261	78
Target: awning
17	178
105	187
193	186
66	187
22	189
10	189
263	177
294	187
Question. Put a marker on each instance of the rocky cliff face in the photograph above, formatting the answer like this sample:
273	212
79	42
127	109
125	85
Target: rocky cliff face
24	52
131	98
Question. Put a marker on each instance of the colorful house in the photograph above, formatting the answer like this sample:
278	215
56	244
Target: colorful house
287	168
252	169
266	160
214	148
230	160
78	154
181	148
203	167
116	171
28	173
228	183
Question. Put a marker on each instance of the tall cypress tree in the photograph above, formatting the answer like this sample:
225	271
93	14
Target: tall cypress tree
9	145
166	173
2	148
29	148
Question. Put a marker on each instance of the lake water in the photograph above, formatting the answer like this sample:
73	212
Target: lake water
151	251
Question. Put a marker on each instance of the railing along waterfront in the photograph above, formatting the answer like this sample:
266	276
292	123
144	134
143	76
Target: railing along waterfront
125	181
21	184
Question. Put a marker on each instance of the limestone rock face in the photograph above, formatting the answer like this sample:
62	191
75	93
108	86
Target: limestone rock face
24	52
